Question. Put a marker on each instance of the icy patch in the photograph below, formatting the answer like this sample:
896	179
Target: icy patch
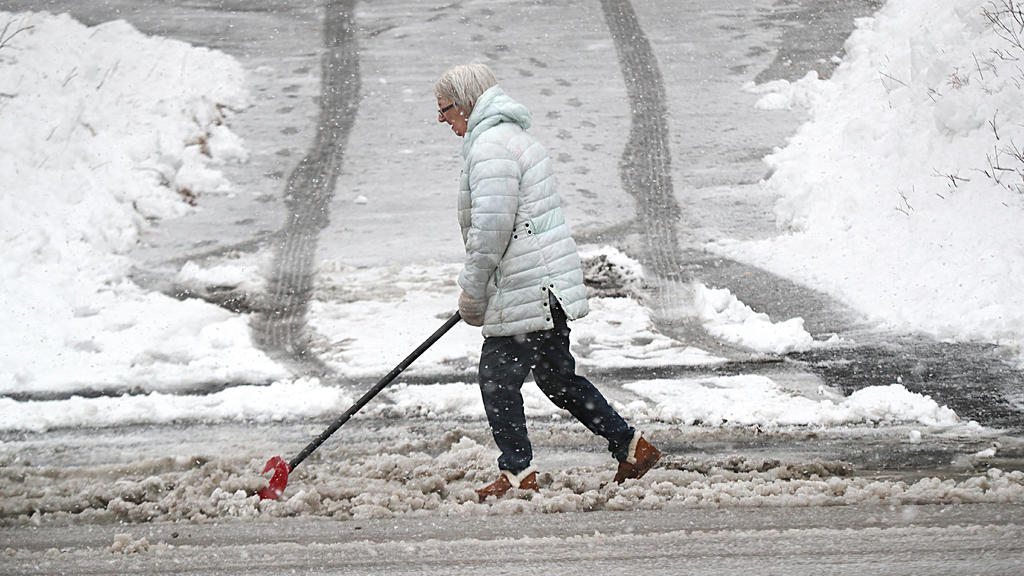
725	317
757	400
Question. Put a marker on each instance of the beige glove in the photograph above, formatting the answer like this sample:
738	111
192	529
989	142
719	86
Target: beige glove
472	311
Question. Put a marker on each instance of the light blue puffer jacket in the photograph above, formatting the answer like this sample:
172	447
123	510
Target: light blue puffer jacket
518	245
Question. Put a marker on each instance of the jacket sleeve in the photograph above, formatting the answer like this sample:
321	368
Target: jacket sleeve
494	176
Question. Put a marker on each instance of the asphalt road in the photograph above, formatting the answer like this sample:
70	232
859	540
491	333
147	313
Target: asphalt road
659	152
933	540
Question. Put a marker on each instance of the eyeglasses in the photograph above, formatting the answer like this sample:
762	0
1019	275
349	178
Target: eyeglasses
441	111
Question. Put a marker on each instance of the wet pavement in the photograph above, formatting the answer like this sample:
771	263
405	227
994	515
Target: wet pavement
913	540
660	152
280	326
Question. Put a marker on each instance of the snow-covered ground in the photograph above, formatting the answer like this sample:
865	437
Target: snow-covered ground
436	476
134	425
96	146
904	194
883	202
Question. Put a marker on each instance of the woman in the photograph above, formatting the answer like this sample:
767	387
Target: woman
522	279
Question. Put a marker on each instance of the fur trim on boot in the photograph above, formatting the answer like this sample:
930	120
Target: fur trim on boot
525	480
642	457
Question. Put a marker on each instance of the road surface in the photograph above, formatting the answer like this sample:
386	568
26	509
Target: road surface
658	151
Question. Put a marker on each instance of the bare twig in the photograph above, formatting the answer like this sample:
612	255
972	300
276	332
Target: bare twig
904	205
72	74
107	74
1016	153
998	170
5	38
894	79
954	179
994	169
958	80
1007	19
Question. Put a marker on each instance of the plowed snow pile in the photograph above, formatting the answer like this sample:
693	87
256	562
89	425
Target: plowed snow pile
107	130
904	193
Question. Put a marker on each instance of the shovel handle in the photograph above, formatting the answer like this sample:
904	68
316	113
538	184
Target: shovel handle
380	385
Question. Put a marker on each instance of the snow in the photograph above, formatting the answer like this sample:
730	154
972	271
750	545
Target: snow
99	147
733	321
126	544
785	95
888	197
292	399
439	479
745	400
758	401
383	306
95	146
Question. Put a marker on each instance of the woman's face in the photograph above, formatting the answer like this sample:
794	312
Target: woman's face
447	113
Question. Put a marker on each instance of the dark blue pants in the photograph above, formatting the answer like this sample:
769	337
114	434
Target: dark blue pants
505	361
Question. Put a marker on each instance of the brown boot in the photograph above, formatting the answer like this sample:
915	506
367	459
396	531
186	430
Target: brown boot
642	457
525	480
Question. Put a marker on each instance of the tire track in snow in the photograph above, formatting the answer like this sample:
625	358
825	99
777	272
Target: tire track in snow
280	330
646	172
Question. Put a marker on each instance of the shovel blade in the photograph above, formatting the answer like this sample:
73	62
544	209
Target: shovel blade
278	481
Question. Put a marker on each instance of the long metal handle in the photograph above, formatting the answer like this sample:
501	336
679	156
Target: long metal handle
380	385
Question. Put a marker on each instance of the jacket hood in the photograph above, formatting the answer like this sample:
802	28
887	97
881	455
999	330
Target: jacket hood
493	107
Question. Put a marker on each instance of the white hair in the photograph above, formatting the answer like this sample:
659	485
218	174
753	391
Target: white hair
463	84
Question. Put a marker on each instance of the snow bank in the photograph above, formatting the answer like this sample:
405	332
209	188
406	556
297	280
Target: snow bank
106	129
758	400
902	195
715	401
291	399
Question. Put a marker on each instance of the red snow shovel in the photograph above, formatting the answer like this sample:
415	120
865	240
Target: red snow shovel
282	469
